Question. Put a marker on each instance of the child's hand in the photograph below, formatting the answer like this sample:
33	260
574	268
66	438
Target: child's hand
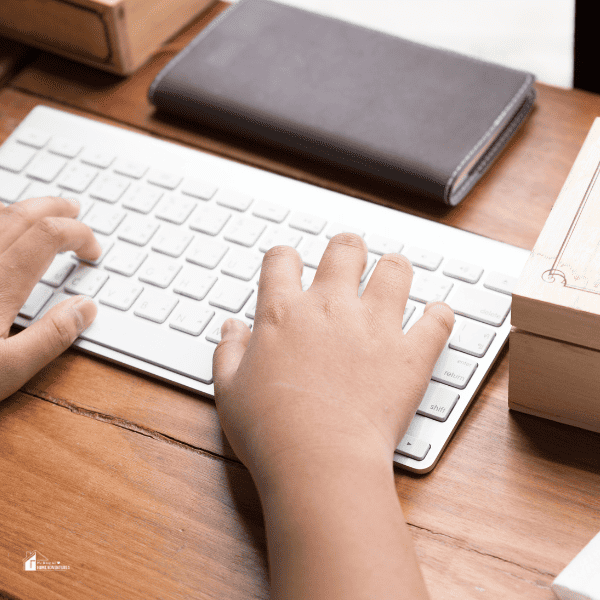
326	375
31	233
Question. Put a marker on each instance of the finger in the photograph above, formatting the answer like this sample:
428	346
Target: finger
235	336
281	272
343	263
27	259
387	289
20	216
27	352
431	332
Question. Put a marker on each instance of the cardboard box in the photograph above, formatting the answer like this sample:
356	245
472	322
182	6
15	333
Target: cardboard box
113	35
555	339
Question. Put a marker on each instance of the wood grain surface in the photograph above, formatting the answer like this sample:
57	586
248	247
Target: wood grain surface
130	482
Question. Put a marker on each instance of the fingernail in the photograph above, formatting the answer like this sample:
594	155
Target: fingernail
85	312
226	327
98	249
74	202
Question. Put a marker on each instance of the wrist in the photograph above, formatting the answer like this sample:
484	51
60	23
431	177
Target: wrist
302	476
336	530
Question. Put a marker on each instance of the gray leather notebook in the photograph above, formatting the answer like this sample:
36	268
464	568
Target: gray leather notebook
427	119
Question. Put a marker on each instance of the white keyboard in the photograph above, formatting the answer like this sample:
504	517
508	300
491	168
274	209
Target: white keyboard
184	233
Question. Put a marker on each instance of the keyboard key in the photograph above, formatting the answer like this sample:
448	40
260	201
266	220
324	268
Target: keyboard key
175	209
169	349
130	168
46	167
164	179
125	259
54	300
472	338
15	157
97	157
86	280
37	189
244	231
59	270
413	447
39	296
311	251
194	282
214	329
230	295
159	271
33	137
65	147
171	241
138	230
198	188
141	198
371	260
191	319
409	309
438	402
251	308
155	306
109	187
454	368
423	258
429	288
106	244
381	245
241	264
77	178
209	219
308	276
206	252
480	305
309	223
279	236
335	228
270	211
104	219
85	203
464	271
12	186
120	293
233	199
500	283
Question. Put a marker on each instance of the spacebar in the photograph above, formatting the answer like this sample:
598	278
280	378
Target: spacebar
147	341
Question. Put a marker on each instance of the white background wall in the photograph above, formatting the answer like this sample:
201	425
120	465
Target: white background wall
533	35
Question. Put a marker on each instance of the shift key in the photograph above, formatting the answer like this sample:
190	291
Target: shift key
454	368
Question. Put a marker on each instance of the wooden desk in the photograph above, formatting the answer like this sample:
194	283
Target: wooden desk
130	483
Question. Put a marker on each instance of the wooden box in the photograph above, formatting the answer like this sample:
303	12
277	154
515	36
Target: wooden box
114	35
555	339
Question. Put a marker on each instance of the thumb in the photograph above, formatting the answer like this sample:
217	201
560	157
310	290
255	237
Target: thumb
431	332
33	348
235	336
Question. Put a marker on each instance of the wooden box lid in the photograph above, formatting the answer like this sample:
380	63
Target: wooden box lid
558	292
115	35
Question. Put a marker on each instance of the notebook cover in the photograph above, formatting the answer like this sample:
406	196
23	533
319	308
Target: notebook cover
356	97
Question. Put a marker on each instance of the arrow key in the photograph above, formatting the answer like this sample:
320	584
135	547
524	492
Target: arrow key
413	447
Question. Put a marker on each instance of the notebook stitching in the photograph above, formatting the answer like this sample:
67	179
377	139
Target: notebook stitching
188	49
487	134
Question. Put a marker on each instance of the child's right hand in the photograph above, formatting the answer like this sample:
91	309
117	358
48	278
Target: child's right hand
326	375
